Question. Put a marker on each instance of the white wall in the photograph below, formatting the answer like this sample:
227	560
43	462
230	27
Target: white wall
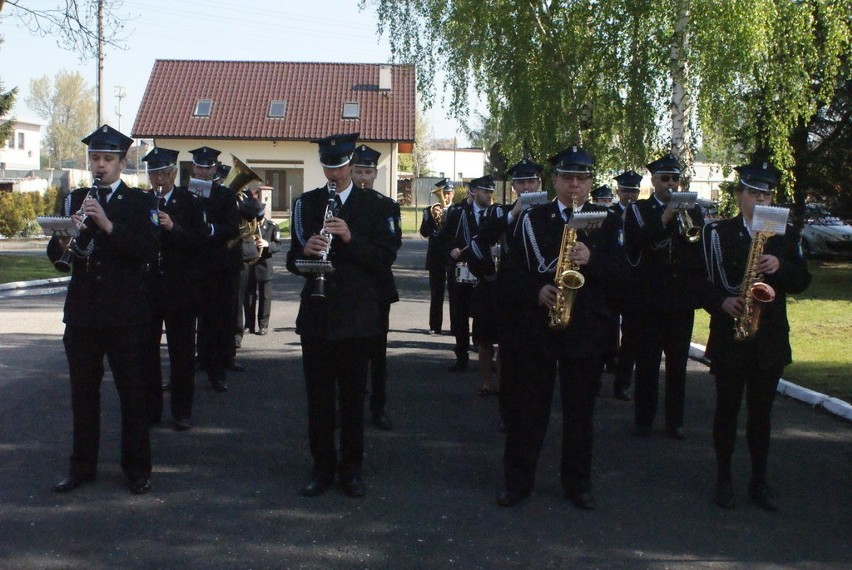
27	158
470	162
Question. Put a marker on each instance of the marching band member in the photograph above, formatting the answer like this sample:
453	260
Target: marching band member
258	298
220	271
602	196
343	225
754	364
174	283
364	172
667	272
627	190
576	353
434	217
107	311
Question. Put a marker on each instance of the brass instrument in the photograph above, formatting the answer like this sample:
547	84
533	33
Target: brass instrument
755	292
239	176
63	264
437	211
567	279
687	228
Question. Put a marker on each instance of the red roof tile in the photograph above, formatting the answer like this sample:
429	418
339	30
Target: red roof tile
241	92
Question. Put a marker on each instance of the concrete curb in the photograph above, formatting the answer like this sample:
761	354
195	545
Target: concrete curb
816	399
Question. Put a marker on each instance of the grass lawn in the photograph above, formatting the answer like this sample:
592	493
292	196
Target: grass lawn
26	268
820	328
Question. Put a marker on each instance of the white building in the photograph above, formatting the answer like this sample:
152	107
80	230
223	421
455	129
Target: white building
22	149
457	164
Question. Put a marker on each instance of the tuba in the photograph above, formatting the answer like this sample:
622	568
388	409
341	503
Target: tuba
567	279
239	176
755	292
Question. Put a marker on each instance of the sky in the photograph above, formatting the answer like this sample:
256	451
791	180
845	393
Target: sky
251	30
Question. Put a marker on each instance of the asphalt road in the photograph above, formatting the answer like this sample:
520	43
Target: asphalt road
226	493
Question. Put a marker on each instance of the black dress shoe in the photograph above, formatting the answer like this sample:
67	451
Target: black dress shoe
72	482
762	496
353	486
725	495
585	501
382	422
140	486
235	367
263	331
641	431
182	424
238	342
675	433
511	498
315	487
459	366
217	380
621	395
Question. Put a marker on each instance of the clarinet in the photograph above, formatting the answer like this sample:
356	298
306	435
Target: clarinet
63	264
330	207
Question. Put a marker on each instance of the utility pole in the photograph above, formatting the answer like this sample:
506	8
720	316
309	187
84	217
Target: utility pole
120	93
100	62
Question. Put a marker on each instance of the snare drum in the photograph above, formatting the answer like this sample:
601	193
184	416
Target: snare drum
463	274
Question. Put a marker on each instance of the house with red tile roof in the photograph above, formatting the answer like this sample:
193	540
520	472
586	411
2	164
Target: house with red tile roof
265	113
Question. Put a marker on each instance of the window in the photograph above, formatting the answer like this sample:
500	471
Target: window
277	109
351	110
11	142
21	141
203	108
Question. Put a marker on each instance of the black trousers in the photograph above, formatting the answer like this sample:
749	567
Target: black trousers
378	359
461	296
216	321
180	338
527	395
239	301
257	303
124	348
437	286
669	333
760	386
335	377
626	359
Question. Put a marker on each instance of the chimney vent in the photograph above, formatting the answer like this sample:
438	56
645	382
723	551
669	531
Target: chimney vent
384	78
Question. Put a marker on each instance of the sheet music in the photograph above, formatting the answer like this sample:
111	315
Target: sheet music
769	219
58	226
587	220
532	198
682	200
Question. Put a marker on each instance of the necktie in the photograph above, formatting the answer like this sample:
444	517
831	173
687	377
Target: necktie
162	203
103	194
478	217
338	204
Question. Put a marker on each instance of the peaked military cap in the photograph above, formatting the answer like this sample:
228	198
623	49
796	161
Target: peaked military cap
573	159
366	157
760	176
483	183
107	139
602	192
629	179
336	150
205	157
667	164
160	158
525	169
444	185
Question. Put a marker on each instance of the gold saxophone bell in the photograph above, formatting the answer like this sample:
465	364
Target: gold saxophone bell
755	292
567	280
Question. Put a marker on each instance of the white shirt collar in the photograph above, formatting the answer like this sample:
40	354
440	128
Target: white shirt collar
344	194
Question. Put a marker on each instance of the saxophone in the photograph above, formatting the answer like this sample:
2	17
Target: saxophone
755	292
567	279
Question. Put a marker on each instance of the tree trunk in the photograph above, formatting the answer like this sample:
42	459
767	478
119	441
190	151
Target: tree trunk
681	102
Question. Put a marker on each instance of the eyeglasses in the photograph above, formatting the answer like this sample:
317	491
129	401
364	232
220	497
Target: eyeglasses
754	192
580	177
668	177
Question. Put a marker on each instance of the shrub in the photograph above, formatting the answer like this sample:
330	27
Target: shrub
16	209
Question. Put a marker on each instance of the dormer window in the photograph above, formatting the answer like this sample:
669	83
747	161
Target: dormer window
351	110
203	108
277	109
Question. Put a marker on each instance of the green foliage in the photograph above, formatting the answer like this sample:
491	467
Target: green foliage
599	72
68	105
16	209
7	101
25	268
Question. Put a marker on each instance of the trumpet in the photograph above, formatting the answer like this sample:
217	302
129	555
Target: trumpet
686	227
63	264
